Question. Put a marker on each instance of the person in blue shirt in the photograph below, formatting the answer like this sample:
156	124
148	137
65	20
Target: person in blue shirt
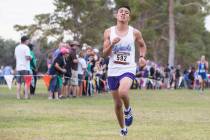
7	70
202	72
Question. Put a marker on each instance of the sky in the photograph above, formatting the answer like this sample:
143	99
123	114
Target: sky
22	12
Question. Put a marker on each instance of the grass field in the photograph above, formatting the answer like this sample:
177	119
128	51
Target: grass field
159	115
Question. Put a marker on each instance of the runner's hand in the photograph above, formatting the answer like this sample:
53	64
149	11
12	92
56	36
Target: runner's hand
115	41
142	62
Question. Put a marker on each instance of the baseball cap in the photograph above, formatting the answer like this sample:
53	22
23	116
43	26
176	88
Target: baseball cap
96	50
74	43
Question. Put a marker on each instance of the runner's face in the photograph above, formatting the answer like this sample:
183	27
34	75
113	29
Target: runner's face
123	14
202	58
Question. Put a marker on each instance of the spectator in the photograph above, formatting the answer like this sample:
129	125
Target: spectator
172	77
57	70
89	75
49	61
67	77
89	52
23	57
98	71
81	72
33	69
1	75
74	67
7	70
167	76
177	76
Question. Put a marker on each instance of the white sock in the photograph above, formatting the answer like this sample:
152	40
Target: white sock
124	129
126	110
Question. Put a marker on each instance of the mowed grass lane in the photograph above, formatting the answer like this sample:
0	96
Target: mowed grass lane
158	115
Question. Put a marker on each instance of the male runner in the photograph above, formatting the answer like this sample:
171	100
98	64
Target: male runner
119	44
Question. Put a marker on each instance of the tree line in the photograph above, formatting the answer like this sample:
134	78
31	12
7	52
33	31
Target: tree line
85	21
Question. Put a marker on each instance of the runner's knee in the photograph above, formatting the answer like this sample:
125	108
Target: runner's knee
118	104
123	92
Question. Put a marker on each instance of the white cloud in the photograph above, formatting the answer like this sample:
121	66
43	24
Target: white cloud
207	23
20	12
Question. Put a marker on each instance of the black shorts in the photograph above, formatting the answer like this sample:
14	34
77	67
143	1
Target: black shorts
20	75
67	81
80	79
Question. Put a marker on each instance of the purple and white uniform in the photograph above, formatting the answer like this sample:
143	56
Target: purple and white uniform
122	59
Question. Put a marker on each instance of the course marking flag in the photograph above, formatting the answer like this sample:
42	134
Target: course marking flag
9	79
27	79
47	79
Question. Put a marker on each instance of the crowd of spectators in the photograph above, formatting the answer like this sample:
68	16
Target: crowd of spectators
91	71
79	70
155	76
76	71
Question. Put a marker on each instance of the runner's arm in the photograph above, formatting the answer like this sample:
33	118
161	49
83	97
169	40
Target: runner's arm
140	43
207	66
107	46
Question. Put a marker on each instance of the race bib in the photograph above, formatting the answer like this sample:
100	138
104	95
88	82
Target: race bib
122	58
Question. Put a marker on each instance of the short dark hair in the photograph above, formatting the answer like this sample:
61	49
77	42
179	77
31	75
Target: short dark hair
24	38
31	46
124	6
